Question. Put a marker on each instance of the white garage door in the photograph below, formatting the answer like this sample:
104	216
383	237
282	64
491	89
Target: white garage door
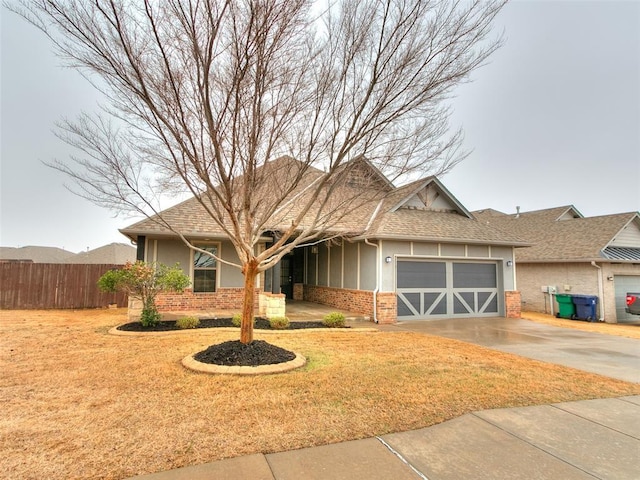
428	289
624	284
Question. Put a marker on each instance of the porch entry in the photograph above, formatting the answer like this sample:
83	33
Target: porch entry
430	289
289	270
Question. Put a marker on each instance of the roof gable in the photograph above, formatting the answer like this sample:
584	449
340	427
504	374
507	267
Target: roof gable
431	195
629	235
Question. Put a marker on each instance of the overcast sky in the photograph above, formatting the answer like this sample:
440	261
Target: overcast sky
553	119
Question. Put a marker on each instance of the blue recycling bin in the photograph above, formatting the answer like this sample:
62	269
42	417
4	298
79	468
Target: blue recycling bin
585	307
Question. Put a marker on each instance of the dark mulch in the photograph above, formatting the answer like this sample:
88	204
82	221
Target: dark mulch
169	325
234	353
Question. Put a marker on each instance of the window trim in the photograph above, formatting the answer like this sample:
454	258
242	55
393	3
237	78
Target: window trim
218	245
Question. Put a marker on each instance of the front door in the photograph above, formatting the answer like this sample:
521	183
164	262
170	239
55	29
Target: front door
286	276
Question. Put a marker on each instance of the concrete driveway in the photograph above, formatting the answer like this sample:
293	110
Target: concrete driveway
608	355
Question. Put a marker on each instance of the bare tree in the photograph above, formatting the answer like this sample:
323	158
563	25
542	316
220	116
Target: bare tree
214	97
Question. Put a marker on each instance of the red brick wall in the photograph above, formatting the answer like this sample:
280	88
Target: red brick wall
359	301
387	307
223	299
513	304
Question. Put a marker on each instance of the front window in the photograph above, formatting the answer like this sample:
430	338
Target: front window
205	269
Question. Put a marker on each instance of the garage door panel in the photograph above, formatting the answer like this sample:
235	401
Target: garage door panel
436	289
488	302
435	303
408	304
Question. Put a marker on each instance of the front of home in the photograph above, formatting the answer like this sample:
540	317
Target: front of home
573	254
418	255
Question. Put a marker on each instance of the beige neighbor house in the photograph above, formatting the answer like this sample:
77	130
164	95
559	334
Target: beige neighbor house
418	254
576	255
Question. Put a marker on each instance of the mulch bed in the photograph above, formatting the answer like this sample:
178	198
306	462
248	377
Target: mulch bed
260	324
234	353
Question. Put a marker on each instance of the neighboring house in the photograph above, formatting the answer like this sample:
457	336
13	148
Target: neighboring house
111	254
419	254
576	255
35	254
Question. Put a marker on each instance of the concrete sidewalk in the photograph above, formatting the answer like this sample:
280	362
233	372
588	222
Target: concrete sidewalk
575	440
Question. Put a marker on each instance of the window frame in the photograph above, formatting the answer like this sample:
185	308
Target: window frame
216	268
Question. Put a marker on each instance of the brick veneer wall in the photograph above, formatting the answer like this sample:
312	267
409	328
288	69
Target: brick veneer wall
360	301
387	307
513	304
223	299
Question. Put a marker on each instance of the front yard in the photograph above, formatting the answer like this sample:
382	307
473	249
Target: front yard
80	403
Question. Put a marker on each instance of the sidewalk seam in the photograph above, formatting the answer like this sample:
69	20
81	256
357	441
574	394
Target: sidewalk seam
266	459
402	459
514	435
558	406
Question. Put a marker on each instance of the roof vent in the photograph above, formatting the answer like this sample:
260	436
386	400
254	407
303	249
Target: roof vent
518	211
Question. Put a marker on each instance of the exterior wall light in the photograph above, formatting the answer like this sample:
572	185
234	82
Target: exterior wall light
509	263
387	259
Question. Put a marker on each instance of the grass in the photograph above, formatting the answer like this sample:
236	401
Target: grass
79	403
618	329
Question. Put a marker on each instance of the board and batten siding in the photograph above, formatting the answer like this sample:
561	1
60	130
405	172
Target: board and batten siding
352	265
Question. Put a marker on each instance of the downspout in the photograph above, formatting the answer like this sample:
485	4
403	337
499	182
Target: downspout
375	291
600	290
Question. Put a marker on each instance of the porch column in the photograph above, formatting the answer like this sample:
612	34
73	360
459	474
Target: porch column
275	278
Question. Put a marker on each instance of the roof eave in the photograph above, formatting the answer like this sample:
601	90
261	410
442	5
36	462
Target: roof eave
470	241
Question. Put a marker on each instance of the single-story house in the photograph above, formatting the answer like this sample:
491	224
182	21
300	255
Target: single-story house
418	254
576	255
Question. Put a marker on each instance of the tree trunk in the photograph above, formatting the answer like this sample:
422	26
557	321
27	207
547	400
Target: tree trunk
250	271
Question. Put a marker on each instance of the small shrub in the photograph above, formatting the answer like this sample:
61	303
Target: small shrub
236	320
149	316
334	320
279	323
187	322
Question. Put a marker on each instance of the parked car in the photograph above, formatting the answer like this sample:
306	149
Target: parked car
633	303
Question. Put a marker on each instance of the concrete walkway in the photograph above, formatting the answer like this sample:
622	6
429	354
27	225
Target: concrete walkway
575	440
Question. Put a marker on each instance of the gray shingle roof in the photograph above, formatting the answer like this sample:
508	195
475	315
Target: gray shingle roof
388	219
36	254
112	254
554	240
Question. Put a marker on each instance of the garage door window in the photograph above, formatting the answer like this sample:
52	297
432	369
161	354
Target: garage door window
422	275
474	275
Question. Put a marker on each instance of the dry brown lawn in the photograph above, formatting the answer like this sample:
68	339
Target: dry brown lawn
619	329
80	403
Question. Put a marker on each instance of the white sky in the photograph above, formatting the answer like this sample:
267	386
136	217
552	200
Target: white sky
553	119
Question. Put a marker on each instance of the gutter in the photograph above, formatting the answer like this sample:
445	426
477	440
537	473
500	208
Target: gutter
600	290
375	291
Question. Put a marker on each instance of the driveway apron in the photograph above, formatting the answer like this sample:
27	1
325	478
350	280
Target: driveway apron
608	355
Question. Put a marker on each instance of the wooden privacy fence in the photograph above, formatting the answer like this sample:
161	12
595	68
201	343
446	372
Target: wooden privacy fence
55	285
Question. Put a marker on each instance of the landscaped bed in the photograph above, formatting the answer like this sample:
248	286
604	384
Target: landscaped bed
79	403
170	325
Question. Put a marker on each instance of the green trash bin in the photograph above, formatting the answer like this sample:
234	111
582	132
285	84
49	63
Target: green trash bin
566	307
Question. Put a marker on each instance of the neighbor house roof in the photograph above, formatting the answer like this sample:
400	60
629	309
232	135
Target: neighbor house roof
562	234
35	254
422	210
112	254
